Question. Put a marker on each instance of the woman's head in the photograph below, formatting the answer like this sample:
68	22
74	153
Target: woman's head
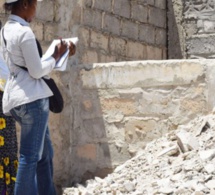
26	9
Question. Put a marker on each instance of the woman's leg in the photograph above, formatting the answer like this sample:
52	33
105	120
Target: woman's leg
33	118
45	169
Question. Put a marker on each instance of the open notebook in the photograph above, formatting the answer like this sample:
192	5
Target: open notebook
62	62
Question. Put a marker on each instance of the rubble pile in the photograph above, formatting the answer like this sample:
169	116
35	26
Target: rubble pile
181	163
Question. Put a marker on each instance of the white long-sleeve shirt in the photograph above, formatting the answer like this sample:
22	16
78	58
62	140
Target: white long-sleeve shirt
21	50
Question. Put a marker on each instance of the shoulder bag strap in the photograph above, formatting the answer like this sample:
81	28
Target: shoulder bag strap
5	42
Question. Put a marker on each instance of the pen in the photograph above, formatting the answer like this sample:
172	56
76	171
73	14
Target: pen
61	40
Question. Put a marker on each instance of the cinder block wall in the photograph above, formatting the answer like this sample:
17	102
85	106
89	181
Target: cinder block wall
200	29
109	30
118	30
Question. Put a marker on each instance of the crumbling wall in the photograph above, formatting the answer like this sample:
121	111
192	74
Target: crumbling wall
119	107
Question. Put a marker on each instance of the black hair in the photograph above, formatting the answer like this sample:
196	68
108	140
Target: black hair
9	6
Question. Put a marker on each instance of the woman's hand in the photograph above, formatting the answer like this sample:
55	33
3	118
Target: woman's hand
72	48
60	49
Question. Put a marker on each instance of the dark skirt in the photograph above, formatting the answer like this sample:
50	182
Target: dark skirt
8	153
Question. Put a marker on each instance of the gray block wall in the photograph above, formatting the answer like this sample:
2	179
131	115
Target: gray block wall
139	26
191	27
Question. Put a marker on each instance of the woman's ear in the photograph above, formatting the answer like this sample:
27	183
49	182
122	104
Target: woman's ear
25	4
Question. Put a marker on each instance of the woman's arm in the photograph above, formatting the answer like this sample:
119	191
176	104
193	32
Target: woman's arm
36	67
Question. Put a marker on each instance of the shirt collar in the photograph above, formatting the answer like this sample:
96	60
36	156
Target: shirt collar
18	19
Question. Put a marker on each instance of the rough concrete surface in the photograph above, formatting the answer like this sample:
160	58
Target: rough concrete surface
180	162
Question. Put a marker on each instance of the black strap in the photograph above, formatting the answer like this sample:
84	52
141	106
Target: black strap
5	42
39	48
40	53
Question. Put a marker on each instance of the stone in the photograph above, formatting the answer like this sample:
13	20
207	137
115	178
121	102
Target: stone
187	141
170	151
207	154
209	168
211	184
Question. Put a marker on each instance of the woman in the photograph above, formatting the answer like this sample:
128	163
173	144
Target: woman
8	153
26	98
8	144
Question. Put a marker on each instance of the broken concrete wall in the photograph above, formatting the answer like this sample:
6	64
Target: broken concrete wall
117	108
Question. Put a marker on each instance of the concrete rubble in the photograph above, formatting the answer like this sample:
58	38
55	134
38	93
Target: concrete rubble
181	162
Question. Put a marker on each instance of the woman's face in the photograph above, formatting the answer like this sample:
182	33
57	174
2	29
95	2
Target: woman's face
30	11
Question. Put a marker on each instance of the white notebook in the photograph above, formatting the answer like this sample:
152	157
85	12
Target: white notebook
62	62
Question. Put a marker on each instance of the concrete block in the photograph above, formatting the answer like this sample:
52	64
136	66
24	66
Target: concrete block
42	12
136	51
118	46
111	24
84	37
73	17
88	3
190	29
105	5
147	33
154	53
154	19
94	130
89	104
161	37
107	58
164	54
118	105
89	56
207	155
147	2
130	29
92	18
161	4
87	151
103	157
139	12
186	141
193	105
122	8
50	32
201	45
209	26
99	41
38	29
